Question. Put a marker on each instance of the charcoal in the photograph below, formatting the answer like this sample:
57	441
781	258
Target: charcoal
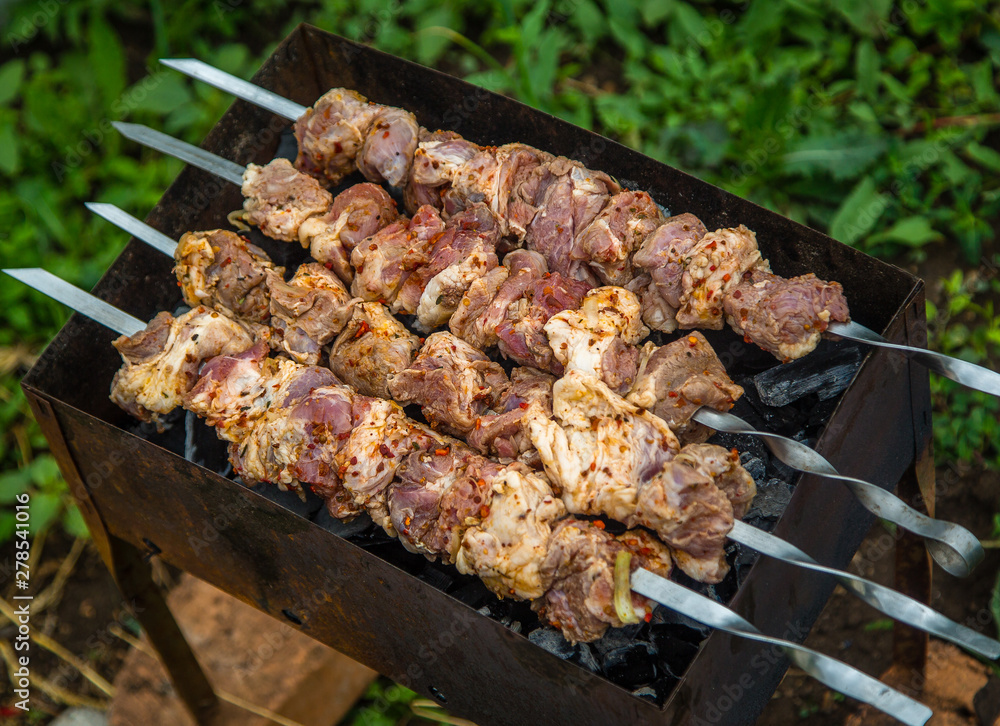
681	625
473	593
824	372
771	500
744	443
614	638
783	420
339	527
631	665
553	641
755	466
288	147
647	692
437	576
585	658
675	647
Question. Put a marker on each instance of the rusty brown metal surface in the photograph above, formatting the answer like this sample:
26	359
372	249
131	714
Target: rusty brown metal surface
381	615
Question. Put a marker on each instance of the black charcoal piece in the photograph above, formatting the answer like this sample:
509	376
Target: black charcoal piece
771	500
680	625
755	466
553	641
438	576
744	443
614	638
631	665
357	526
585	657
675	647
827	371
473	593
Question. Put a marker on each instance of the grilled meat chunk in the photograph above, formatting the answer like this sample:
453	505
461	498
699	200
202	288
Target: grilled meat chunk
452	382
161	362
675	380
387	151
308	311
599	337
506	549
521	334
278	199
579	581
501	432
785	317
608	242
220	269
384	261
331	133
371	349
358	212
712	268
439	493
567	197
662	257
724	466
463	252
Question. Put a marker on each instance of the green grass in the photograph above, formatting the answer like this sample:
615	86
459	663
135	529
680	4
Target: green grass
874	122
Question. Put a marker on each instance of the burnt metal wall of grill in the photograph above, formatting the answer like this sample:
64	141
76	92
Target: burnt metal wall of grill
363	606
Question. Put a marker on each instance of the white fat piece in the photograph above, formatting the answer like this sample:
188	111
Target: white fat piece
580	338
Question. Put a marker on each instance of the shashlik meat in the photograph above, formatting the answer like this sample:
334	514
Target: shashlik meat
597	447
438	494
599	337
463	252
616	232
161	362
727	472
486	303
439	156
357	212
507	548
452	382
293	444
331	133
278	199
387	151
384	261
521	334
371	349
568	197
578	576
785	317
715	265
308	311
234	391
222	270
675	380
610	457
501	431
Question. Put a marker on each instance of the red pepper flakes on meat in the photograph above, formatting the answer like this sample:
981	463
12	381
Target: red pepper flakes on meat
484	511
386	451
442	452
523	405
362	329
648	617
598	523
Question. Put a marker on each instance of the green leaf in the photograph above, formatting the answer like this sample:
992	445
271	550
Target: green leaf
913	231
841	155
11	75
45	471
107	58
44	508
13	483
10	156
866	65
8	522
858	213
73	522
983	155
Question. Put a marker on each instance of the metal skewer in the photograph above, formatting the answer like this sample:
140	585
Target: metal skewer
960	371
882	598
825	669
952	546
